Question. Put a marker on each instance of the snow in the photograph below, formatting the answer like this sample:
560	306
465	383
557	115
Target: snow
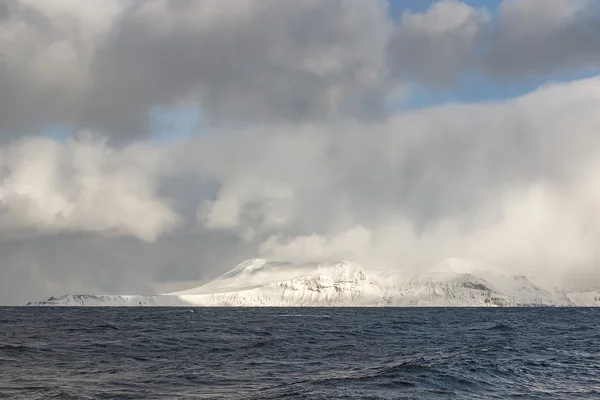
590	298
251	274
259	282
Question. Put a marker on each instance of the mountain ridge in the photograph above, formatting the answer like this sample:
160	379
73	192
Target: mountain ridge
260	282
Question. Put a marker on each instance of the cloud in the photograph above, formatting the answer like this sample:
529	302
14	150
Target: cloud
510	183
80	186
536	37
248	61
451	39
543	230
300	157
47	51
44	266
106	65
497	182
351	244
433	47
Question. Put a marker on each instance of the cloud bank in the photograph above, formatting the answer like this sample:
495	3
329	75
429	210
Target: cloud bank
103	65
303	154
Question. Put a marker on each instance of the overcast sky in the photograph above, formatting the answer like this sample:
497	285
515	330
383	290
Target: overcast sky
147	146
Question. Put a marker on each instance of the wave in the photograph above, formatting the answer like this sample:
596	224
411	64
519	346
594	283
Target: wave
501	327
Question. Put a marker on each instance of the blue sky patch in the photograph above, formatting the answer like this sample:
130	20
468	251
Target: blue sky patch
170	123
397	7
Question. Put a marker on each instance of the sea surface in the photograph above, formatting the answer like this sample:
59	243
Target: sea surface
306	353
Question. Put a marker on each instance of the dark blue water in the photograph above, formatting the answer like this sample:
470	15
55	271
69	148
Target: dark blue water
385	353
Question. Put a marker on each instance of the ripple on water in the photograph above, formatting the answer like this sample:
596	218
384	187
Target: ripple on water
279	353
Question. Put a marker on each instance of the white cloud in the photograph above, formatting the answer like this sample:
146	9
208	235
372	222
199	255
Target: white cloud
348	245
80	186
498	182
268	205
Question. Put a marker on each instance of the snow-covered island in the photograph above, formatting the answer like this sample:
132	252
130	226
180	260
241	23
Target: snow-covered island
262	283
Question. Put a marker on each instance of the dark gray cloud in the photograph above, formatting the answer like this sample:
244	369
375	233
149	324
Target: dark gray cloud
542	37
48	266
435	46
526	38
106	65
248	61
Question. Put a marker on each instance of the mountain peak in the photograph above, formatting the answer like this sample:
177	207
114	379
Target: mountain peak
247	266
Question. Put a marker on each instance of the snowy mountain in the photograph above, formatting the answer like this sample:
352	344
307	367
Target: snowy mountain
258	282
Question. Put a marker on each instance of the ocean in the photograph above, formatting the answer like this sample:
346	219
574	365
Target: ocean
299	353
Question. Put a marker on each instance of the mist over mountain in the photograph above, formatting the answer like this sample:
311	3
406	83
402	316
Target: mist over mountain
262	283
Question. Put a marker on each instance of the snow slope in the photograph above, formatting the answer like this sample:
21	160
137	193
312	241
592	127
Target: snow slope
258	282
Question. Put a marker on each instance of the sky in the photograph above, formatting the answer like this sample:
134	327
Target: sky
146	147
